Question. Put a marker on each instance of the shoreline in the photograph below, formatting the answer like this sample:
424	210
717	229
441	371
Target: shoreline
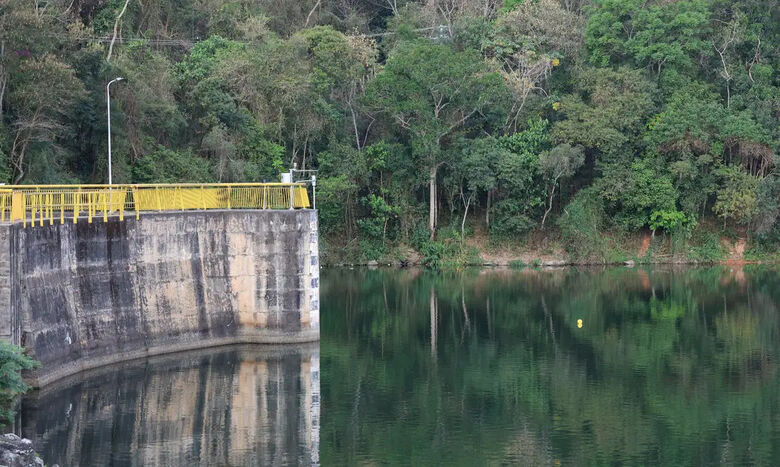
552	264
546	251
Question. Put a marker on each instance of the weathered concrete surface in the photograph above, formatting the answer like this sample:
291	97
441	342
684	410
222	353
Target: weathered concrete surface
84	295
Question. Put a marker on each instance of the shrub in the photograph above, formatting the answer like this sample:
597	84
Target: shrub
764	245
737	198
509	220
447	251
705	247
433	254
12	362
581	226
169	166
371	249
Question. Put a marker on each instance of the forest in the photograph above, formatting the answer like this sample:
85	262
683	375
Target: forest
430	122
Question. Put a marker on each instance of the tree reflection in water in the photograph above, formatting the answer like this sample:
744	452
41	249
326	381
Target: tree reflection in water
242	406
672	366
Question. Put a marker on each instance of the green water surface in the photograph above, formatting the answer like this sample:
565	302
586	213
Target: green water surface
671	366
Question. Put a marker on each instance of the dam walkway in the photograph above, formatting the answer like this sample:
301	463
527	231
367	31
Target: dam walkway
48	204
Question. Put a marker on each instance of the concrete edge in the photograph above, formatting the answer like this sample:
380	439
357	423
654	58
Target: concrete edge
43	377
131	215
263	351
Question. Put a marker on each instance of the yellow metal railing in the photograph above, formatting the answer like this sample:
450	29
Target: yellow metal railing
50	203
5	204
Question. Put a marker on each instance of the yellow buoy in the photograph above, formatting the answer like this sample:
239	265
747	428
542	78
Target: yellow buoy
579	323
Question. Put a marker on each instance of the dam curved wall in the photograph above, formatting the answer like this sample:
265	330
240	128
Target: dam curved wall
77	296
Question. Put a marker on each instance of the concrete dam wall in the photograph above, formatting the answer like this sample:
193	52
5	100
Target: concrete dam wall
78	296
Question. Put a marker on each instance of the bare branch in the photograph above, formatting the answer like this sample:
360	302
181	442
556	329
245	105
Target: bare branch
316	5
116	29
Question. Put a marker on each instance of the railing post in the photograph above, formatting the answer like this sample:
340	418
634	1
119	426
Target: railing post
17	207
292	196
76	201
39	201
90	207
122	205
136	205
106	200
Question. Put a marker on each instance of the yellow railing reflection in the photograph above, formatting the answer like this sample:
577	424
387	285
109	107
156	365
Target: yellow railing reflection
52	203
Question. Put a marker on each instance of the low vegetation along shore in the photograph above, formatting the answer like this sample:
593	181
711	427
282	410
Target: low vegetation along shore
549	249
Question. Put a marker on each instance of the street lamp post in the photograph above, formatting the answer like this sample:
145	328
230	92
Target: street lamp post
108	113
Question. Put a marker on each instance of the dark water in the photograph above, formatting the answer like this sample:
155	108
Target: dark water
669	367
227	406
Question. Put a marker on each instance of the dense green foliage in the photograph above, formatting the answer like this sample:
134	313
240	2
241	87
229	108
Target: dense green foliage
481	115
12	362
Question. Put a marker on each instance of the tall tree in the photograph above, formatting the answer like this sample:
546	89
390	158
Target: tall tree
40	116
432	91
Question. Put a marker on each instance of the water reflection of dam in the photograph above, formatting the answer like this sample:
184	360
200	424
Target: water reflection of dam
243	405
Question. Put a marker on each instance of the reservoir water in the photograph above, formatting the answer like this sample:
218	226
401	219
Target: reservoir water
591	366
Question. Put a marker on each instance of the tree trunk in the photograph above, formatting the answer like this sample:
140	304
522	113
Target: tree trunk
463	222
17	158
549	208
432	201
487	211
467	203
728	95
308	18
355	127
116	31
3	79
